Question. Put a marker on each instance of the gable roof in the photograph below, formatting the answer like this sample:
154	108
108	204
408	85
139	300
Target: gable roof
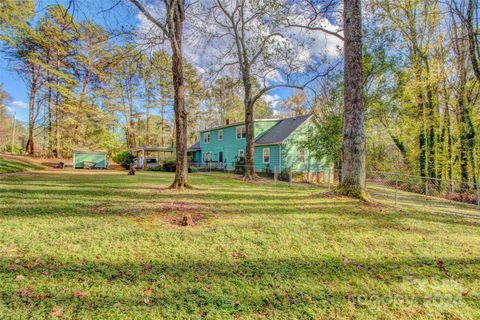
282	130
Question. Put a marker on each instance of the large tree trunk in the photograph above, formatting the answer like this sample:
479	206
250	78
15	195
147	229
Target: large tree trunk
250	134
431	124
57	113
50	117
147	137
467	144
176	28
472	42
446	143
353	146
162	120
250	146
81	101
464	136
31	119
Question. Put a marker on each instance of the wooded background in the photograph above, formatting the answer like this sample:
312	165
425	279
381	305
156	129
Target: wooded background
110	89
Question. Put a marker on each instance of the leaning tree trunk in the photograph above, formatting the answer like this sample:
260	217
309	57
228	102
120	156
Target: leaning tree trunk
353	146
176	28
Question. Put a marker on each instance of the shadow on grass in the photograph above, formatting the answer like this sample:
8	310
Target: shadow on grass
81	195
235	286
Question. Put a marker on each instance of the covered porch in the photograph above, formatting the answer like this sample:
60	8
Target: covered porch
148	156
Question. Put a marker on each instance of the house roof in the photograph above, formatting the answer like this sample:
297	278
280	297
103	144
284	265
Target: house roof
282	130
87	151
150	148
237	124
194	147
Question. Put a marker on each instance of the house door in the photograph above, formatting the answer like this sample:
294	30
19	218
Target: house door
220	157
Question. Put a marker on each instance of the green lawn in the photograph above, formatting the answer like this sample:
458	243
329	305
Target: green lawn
102	244
11	166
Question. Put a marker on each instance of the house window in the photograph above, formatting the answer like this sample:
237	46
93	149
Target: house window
206	156
220	135
301	156
241	154
266	155
206	137
241	133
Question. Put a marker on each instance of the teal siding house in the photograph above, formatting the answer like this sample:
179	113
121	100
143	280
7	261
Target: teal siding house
277	145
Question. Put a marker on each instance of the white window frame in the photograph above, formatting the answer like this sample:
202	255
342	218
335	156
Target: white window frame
263	155
208	156
241	151
205	135
243	132
220	134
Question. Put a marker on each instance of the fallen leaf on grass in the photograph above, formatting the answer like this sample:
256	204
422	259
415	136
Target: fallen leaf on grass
80	294
19	278
118	305
148	292
25	292
239	255
56	312
443	267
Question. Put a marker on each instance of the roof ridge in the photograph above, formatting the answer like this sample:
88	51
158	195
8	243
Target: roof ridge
278	137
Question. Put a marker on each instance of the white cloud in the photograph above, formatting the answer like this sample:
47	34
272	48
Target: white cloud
272	99
17	104
207	45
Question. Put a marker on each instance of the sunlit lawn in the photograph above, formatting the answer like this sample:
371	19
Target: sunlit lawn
102	244
10	166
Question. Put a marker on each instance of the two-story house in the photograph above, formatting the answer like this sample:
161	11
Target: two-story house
277	145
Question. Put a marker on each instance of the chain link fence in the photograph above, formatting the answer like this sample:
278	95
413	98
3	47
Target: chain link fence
386	186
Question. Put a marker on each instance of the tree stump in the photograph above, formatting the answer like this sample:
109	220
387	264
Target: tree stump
187	220
132	170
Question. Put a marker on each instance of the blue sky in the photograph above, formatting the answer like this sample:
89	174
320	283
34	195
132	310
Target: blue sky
14	84
121	15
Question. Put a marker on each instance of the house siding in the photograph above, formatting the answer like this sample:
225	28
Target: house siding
291	151
274	158
282	156
230	144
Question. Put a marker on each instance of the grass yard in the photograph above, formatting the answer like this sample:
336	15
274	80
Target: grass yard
102	244
11	166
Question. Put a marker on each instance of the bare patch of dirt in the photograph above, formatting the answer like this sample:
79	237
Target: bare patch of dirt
175	213
178	214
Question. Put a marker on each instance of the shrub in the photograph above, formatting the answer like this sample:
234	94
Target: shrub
169	166
125	159
192	169
284	175
239	165
156	168
467	197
